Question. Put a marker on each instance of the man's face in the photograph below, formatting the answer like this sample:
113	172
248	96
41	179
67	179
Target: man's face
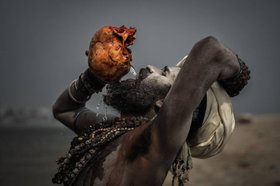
137	96
158	77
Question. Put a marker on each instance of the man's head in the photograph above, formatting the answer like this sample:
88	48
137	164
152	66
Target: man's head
136	97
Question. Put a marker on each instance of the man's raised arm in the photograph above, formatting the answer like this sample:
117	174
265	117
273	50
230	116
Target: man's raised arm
208	62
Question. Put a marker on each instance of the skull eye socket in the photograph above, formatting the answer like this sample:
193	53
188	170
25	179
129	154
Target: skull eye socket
120	38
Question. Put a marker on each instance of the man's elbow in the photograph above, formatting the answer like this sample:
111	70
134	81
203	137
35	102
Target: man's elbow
210	39
60	115
56	111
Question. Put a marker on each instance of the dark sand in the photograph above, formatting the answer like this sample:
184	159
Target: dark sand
252	157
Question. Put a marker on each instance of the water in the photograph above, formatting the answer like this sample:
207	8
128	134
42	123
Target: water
97	109
105	107
104	110
132	71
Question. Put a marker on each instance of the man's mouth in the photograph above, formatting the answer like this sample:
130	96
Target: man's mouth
143	73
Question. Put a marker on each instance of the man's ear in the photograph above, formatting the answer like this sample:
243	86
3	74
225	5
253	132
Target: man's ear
158	105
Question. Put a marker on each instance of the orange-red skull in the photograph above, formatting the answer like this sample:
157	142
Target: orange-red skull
109	56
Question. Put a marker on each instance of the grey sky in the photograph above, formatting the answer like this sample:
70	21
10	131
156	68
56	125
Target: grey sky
42	42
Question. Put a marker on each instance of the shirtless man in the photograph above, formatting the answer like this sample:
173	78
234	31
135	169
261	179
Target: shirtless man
144	155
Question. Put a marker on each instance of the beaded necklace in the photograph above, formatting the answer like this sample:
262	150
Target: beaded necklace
86	147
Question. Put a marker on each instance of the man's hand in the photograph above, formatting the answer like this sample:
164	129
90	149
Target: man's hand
109	56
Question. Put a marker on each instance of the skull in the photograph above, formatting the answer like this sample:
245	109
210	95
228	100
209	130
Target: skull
109	57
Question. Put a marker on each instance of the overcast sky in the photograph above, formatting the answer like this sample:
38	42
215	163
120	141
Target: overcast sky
42	42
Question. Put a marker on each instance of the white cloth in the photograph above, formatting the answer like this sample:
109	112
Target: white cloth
218	123
217	127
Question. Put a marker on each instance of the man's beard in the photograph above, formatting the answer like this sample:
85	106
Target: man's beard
133	97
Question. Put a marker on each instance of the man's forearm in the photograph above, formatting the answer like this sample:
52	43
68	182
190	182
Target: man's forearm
73	100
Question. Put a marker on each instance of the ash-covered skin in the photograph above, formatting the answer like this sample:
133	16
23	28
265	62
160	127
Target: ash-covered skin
135	97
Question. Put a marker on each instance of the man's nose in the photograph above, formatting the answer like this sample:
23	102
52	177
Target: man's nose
153	69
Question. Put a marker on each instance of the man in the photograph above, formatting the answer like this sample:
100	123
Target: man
165	114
